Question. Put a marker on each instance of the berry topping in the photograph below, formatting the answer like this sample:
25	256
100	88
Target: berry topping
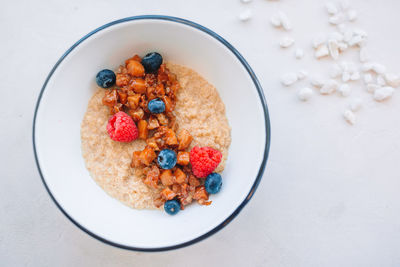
105	78
204	160
166	159
121	128
172	207
152	61
156	106
213	183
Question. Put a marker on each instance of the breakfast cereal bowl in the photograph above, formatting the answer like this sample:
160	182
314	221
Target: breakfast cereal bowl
63	102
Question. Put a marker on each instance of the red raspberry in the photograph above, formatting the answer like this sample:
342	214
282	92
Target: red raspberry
204	160
121	128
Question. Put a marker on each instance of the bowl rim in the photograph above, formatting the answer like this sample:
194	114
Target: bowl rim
260	94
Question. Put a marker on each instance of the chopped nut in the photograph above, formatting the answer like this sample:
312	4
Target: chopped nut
184	139
135	58
159	90
152	177
167	193
167	178
200	193
122	97
115	109
150	79
169	106
180	176
136	115
176	188
147	156
151	142
136	162
193	181
170	138
162	119
153	123
143	131
133	101
110	98
182	158
173	124
138	85
122	79
135	68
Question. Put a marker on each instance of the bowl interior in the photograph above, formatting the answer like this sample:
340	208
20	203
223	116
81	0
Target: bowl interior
64	102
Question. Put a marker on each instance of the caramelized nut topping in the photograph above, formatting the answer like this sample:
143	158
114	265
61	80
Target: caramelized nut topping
134	89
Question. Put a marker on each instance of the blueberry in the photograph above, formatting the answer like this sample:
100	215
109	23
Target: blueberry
156	106
172	207
166	159
213	183
105	78
152	61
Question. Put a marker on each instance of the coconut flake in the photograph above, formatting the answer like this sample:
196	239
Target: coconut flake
305	94
383	93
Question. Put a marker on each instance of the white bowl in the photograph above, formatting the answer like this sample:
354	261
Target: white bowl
62	104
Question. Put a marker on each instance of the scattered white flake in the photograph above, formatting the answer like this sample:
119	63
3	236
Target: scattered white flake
372	87
286	24
392	79
380	80
356	40
364	55
378	68
355	104
344	90
360	32
355	76
245	15
286	42
299	53
349	116
302	74
333	48
317	82
331	8
321	51
344	4
289	78
245	1
346	76
342	46
337	19
318	41
367	78
276	21
367	66
336	71
329	87
383	93
305	94
352	15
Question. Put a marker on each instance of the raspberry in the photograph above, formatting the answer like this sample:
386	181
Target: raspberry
204	160
121	128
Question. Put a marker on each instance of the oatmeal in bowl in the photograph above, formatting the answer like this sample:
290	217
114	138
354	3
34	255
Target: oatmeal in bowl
155	135
85	147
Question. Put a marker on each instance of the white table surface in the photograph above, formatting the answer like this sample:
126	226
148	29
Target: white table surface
330	193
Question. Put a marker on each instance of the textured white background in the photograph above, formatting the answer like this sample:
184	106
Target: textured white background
330	194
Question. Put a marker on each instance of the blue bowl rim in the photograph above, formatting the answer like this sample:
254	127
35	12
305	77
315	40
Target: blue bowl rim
260	94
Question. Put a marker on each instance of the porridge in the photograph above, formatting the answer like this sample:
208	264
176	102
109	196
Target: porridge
158	135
